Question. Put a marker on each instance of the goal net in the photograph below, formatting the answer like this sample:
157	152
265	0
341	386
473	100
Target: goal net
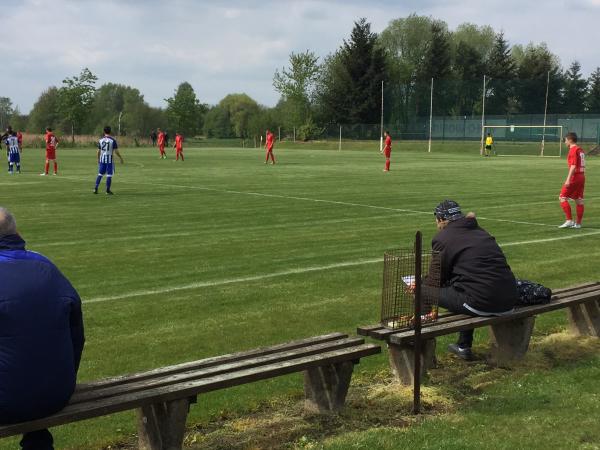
525	140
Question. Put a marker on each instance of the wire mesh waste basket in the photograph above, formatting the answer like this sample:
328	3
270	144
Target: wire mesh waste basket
399	288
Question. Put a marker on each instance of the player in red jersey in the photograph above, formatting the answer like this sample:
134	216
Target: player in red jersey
161	144
575	183
178	146
51	144
387	150
269	147
20	140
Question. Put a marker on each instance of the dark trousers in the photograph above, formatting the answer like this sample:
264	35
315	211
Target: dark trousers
453	301
37	440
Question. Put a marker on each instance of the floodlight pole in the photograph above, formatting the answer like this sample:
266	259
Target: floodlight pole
381	130
430	115
120	115
417	343
482	115
340	142
545	115
279	134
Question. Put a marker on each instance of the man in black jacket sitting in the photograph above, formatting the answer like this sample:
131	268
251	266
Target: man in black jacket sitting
475	277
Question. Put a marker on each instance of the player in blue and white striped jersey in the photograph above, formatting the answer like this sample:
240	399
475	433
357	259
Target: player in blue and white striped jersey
107	146
13	152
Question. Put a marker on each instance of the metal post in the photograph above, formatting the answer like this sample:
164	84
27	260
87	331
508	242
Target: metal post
482	116
545	115
430	115
417	343
340	143
381	130
120	115
279	134
294	134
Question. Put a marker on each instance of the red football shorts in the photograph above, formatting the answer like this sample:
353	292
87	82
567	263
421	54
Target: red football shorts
387	152
575	189
50	153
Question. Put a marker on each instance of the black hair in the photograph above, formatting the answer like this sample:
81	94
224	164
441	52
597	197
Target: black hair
48	129
107	129
572	137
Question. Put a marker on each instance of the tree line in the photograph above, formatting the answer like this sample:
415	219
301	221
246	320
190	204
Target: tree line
341	88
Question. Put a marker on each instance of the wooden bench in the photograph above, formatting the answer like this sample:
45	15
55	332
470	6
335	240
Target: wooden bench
162	396
510	334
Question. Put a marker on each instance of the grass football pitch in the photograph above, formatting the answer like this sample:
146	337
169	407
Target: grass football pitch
222	253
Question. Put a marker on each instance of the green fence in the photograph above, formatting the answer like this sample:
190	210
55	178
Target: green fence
587	128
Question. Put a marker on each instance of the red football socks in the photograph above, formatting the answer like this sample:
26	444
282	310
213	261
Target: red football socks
580	209
387	164
55	168
567	209
47	167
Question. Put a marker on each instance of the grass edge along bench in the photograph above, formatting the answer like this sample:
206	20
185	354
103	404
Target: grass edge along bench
509	335
162	396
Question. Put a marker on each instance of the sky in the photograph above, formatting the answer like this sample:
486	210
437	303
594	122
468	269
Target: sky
223	47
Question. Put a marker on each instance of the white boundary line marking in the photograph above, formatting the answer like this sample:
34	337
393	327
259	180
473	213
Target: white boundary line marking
300	270
331	202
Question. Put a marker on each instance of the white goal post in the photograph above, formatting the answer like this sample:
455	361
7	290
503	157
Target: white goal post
558	128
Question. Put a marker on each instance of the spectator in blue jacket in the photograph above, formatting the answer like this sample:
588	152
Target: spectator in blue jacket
41	327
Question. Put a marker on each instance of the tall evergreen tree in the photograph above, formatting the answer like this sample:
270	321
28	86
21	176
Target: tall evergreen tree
351	89
501	70
468	67
593	95
436	64
535	62
575	90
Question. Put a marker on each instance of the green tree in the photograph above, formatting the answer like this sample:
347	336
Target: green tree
45	112
575	90
296	85
351	87
18	121
240	109
436	64
593	96
217	123
113	101
76	97
405	41
6	110
184	111
480	38
534	62
468	67
501	71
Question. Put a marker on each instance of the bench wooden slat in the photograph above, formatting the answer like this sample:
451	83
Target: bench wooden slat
82	411
475	322
231	366
209	362
380	332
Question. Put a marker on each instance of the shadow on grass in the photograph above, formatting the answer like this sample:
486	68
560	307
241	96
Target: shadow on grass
375	401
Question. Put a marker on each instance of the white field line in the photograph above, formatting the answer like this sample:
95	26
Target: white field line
299	270
331	202
112	239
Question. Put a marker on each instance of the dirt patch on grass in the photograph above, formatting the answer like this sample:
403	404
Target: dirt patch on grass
373	402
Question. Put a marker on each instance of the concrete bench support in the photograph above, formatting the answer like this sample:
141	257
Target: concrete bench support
584	319
402	360
325	387
161	426
510	340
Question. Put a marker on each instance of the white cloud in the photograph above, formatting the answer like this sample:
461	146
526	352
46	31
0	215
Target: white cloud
235	46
